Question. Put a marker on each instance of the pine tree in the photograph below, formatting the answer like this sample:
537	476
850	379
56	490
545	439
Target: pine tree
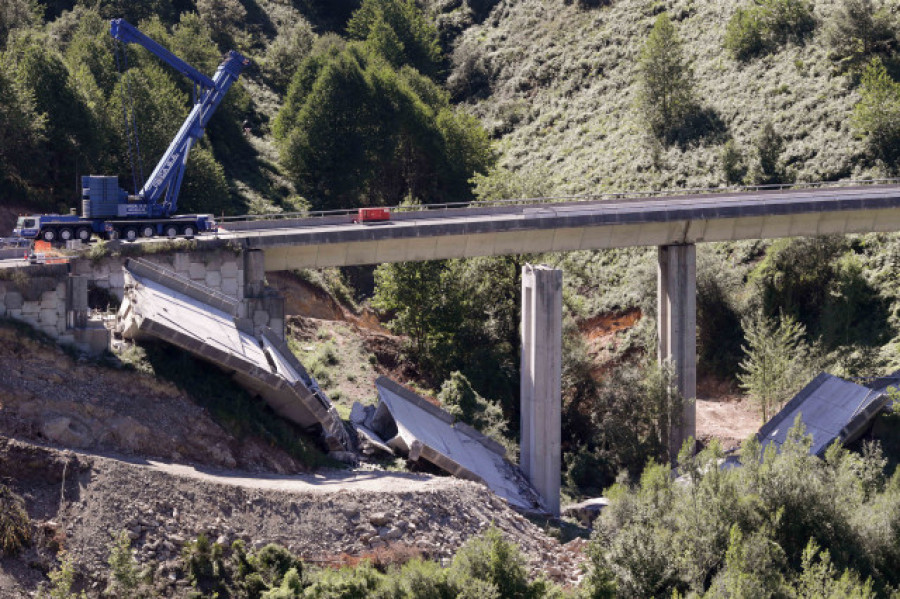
877	115
666	96
775	361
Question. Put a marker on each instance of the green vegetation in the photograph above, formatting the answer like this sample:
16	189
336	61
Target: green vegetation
360	126
666	98
766	25
877	115
756	531
776	365
859	30
15	526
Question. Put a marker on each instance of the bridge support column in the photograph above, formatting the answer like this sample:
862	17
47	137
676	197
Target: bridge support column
541	380
677	323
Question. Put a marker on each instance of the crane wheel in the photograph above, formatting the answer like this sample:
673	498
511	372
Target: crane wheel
48	235
130	234
83	233
171	231
148	231
188	231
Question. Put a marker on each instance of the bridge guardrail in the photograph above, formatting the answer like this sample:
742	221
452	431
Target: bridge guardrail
323	216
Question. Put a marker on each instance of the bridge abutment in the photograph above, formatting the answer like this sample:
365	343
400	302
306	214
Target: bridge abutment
541	373
677	326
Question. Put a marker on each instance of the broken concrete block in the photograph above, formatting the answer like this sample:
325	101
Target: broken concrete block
422	430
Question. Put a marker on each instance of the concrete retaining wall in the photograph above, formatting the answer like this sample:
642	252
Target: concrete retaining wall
37	295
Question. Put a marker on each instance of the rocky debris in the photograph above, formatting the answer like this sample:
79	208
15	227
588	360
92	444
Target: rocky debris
324	521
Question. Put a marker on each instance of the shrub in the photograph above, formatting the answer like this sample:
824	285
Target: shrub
745	34
15	527
877	115
464	403
495	567
124	577
733	166
766	25
769	147
858	30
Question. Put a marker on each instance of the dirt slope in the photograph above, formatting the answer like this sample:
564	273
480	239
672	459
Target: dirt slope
78	500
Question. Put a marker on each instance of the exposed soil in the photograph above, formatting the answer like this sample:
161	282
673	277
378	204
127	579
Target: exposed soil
48	396
603	334
77	501
724	414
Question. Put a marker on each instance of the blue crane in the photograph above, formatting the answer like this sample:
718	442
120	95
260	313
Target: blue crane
110	211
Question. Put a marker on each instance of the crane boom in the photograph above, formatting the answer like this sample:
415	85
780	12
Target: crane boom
160	190
108	210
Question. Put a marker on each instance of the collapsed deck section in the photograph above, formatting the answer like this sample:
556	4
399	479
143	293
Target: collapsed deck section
831	409
162	305
411	426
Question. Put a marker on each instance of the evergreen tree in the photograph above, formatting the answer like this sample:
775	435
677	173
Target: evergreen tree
666	94
877	115
773	369
859	29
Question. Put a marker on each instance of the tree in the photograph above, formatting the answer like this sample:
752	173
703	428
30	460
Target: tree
877	115
287	51
859	29
666	88
355	131
17	14
773	369
21	137
400	30
419	303
769	146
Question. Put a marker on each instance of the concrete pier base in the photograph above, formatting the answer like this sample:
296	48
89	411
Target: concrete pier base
541	380
677	322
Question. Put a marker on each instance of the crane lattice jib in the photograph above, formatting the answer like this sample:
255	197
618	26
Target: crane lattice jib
161	189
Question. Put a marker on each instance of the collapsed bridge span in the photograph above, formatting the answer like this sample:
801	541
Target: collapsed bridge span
163	305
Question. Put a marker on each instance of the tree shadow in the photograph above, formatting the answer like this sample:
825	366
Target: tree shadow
702	125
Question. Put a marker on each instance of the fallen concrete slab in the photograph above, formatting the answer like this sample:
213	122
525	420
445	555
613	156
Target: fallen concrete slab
412	426
831	409
163	305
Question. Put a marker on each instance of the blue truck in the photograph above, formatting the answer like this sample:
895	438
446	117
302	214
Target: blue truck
111	212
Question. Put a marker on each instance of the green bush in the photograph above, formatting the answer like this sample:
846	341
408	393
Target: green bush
15	526
752	531
459	398
766	25
877	115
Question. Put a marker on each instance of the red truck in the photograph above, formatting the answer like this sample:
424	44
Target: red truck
372	215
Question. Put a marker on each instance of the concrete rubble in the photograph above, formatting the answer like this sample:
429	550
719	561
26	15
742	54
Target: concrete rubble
831	409
163	305
406	424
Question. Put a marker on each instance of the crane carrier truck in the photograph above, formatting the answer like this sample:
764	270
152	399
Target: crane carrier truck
111	212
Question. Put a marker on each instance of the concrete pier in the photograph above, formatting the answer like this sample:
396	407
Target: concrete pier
677	322
541	380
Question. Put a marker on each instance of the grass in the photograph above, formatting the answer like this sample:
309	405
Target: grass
572	74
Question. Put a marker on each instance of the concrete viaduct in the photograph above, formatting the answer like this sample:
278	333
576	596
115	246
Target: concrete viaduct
674	224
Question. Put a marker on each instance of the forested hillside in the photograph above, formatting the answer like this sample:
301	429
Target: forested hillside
381	102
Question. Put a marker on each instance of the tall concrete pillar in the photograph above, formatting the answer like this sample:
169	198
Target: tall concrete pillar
677	322
541	380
